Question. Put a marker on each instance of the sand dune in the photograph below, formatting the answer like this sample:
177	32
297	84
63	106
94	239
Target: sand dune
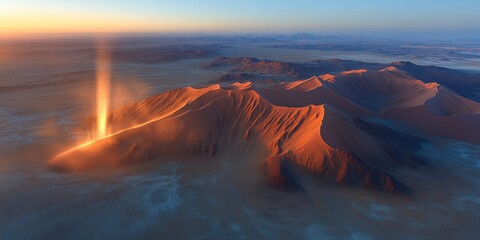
381	90
462	82
323	126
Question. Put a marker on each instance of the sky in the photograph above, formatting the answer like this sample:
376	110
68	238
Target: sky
447	17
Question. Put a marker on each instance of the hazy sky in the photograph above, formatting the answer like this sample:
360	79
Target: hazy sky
445	17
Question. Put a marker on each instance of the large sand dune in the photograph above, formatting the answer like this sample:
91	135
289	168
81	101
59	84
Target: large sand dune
330	127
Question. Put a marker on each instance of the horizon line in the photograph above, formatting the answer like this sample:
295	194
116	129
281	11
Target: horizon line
374	35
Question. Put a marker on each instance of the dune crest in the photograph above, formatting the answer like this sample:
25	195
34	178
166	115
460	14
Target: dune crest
328	77
239	86
356	71
304	85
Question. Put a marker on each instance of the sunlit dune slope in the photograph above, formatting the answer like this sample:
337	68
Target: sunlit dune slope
322	126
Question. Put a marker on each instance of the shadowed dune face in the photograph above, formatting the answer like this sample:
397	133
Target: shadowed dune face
461	82
324	127
382	90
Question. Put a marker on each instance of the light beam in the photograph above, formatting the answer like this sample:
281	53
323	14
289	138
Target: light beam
102	88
